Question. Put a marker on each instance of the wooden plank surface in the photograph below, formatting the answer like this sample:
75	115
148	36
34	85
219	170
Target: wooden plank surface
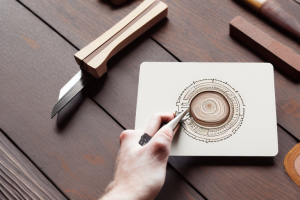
199	31
203	35
19	178
281	56
72	17
194	31
241	177
120	84
77	149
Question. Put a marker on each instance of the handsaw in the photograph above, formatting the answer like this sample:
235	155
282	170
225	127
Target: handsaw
93	58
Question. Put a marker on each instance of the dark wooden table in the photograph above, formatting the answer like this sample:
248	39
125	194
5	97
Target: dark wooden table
72	156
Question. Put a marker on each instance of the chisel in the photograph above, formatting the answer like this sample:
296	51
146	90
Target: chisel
93	58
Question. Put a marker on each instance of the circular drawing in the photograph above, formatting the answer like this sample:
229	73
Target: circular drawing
216	110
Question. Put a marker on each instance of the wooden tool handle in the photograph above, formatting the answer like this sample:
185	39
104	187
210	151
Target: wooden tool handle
274	12
254	4
93	57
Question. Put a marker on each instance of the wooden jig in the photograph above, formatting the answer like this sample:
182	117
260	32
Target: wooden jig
93	58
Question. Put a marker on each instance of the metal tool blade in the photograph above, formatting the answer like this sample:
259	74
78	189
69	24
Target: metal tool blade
71	89
174	122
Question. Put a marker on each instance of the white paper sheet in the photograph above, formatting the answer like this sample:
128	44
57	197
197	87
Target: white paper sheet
161	84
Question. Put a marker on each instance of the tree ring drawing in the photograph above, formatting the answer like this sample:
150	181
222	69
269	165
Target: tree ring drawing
216	110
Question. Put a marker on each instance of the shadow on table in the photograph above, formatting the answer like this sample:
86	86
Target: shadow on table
99	87
223	161
118	59
175	187
284	74
113	6
267	21
284	33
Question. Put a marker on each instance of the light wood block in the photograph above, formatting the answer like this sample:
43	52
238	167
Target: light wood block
94	56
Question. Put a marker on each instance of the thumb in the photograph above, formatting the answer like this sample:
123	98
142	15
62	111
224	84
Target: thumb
160	144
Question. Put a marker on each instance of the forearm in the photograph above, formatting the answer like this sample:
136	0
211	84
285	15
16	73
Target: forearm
141	170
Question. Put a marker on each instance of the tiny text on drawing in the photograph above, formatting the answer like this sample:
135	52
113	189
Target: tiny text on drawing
217	110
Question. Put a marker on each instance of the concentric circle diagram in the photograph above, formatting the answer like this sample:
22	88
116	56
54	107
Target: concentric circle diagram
216	111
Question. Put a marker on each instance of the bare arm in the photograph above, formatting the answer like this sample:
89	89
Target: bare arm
141	170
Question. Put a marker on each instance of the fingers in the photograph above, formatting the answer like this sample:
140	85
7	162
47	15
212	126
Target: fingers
129	137
160	144
156	121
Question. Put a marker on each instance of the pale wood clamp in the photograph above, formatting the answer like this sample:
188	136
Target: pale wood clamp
93	58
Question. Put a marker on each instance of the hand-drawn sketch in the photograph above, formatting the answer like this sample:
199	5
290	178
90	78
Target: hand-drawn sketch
216	110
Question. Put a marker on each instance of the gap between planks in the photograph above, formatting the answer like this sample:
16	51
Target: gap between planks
27	157
68	41
101	107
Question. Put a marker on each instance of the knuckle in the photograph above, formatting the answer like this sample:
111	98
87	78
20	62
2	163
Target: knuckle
160	146
125	134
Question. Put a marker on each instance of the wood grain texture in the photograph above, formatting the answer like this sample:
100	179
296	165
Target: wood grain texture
265	46
274	12
115	29
241	177
77	150
208	39
292	163
19	178
97	65
210	109
175	188
74	149
202	35
120	84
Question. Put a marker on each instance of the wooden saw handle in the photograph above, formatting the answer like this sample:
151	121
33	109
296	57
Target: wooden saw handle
93	58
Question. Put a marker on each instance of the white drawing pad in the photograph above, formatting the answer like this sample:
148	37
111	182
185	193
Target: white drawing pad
249	130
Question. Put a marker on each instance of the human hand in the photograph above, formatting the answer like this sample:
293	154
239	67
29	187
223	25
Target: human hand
141	170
